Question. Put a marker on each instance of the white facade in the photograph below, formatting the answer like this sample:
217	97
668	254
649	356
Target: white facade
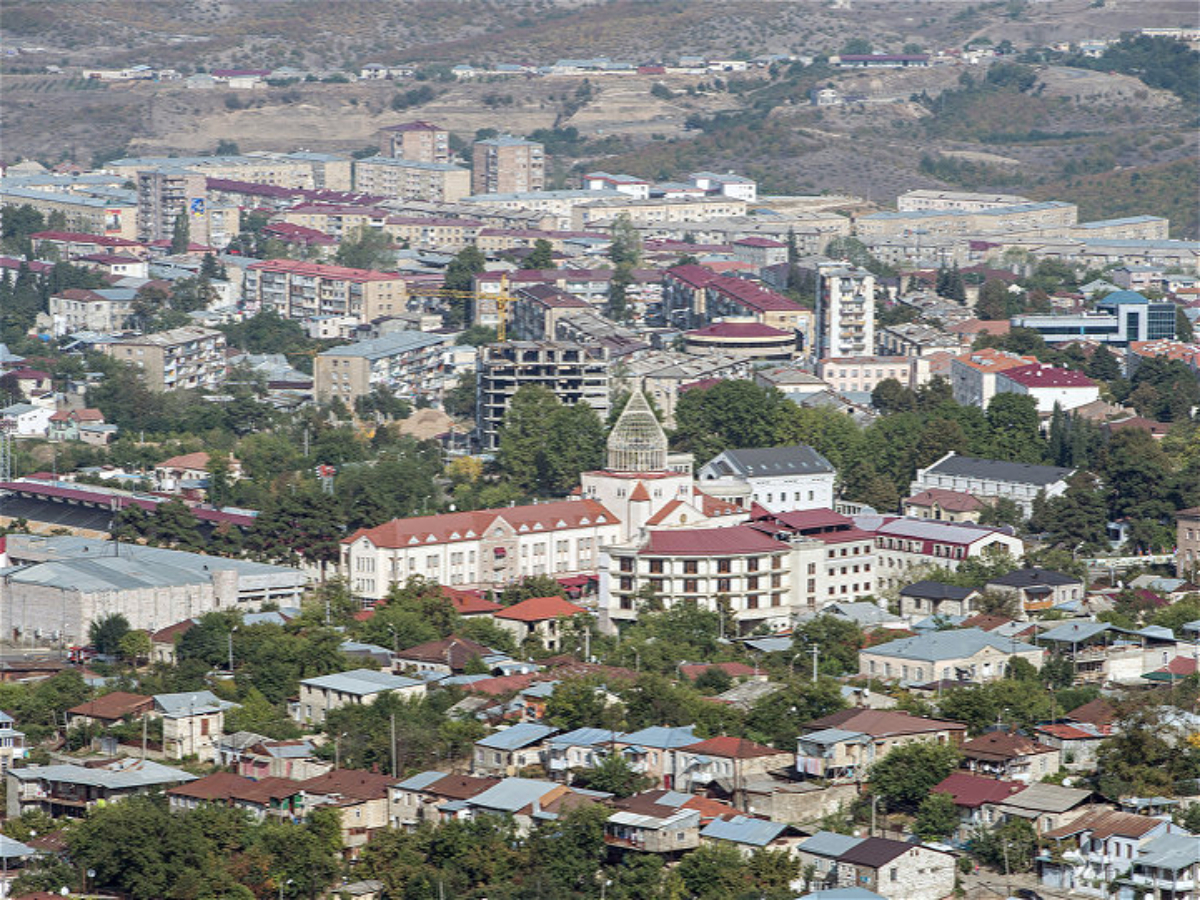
28	419
990	478
1066	396
845	311
973	377
864	373
902	545
780	479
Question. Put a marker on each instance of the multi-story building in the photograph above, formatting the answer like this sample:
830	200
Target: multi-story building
864	373
334	219
79	309
1050	387
1187	533
486	548
112	216
1100	847
281	170
539	309
574	372
404	363
187	358
506	164
301	290
779	479
417	141
726	185
656	216
430	232
638	188
993	479
1121	318
902	545
842	746
359	687
165	194
962	200
744	337
845	313
408	179
694	296
12	742
973	376
68	789
1050	218
965	654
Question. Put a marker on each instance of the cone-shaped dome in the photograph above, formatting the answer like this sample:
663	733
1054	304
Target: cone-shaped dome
637	442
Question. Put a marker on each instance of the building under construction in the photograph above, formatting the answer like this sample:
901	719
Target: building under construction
575	373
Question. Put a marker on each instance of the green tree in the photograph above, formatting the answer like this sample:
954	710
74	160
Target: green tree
460	276
1013	420
714	872
889	396
777	718
614	775
937	817
105	633
838	640
996	302
365	248
135	646
1103	365
1010	847
626	246
906	775
542	256
181	233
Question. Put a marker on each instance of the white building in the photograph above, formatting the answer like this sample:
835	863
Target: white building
1049	386
973	376
902	545
727	185
992	478
28	420
320	695
845	313
777	479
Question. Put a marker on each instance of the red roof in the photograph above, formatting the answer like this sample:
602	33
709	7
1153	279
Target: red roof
733	748
79	237
954	501
504	684
1179	667
640	493
975	790
1040	376
712	507
462	526
539	609
1070	732
1094	712
319	270
469	603
116	705
738	330
758	242
352	784
735	669
299	233
710	542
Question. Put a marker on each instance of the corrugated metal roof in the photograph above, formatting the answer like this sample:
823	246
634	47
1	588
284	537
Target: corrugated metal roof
517	736
421	780
512	794
744	830
828	843
361	682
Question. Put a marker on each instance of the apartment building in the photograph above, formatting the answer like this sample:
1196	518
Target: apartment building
694	296
992	479
165	194
1050	218
102	216
1049	386
1187	531
80	309
334	219
960	200
431	232
300	290
507	164
409	179
573	372
187	358
964	654
845	311
486	548
1121	318
864	373
281	170
417	141
973	375
656	212
404	363
777	479
902	545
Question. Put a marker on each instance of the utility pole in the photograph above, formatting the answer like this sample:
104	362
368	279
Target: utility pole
814	651
394	773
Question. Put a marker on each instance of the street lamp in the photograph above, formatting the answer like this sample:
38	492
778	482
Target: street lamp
231	631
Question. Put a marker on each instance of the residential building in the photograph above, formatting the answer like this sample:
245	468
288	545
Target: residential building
12	743
726	764
933	598
895	870
72	790
109	709
1121	318
511	750
726	185
193	723
360	799
779	479
658	216
742	337
976	797
973	376
187	358
582	748
964	654
407	179
834	560
842	746
418	141
695	296
993	479
264	798
575	373
435	233
1049	386
539	309
865	373
301	290
760	252
71	424
433	797
26	419
964	200
902	545
104	310
845	312
166	193
639	188
645	824
651	752
115	216
1044	806
338	220
403	363
1168	864
1037	590
483	548
943	506
505	164
1043	219
1098	848
749	834
1011	756
323	693
538	618
1187	542
448	656
1079	736
296	760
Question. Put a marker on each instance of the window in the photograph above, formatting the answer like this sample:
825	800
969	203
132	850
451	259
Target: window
752	564
723	585
752	601
812	568
627	584
626	563
656	566
752	583
776	562
690	586
894	874
724	566
691	567
776	580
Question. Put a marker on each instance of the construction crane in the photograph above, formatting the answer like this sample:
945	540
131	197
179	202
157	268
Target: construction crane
502	299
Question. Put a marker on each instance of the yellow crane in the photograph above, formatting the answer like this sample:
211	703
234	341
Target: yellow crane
502	299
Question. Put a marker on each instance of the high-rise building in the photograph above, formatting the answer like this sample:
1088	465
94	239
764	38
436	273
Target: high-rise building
416	141
506	165
845	311
407	179
164	194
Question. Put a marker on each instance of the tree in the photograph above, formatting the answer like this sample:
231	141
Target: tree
135	646
996	302
542	256
908	773
460	276
838	640
714	872
1010	847
459	401
1184	330
1013	420
618	288
181	233
890	396
777	718
1078	516
365	248
1103	366
614	775
626	246
937	817
105	633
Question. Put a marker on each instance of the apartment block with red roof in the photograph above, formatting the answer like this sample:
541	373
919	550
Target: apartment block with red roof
973	376
486	548
1049	386
299	290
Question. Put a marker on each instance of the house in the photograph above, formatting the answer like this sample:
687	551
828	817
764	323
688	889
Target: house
512	750
421	797
750	833
193	723
361	801
992	479
71	790
933	598
190	469
1079	734
943	506
1049	386
527	800
68	424
976	797
1037	589
649	751
843	746
359	686
162	642
276	797
1166	864
28	420
895	870
582	748
725	765
778	479
1044	806
12	742
1097	848
294	759
645	824
973	376
448	656
110	709
964	654
1010	755
537	617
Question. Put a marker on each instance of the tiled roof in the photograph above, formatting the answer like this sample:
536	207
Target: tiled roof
1096	712
1002	745
353	784
113	706
228	786
452	651
710	542
733	669
732	747
319	270
539	609
954	501
975	790
882	723
1107	823
738	330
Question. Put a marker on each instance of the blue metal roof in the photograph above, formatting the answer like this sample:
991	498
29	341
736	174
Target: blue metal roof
517	736
744	830
586	737
662	738
853	893
512	794
829	843
361	682
421	780
939	645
